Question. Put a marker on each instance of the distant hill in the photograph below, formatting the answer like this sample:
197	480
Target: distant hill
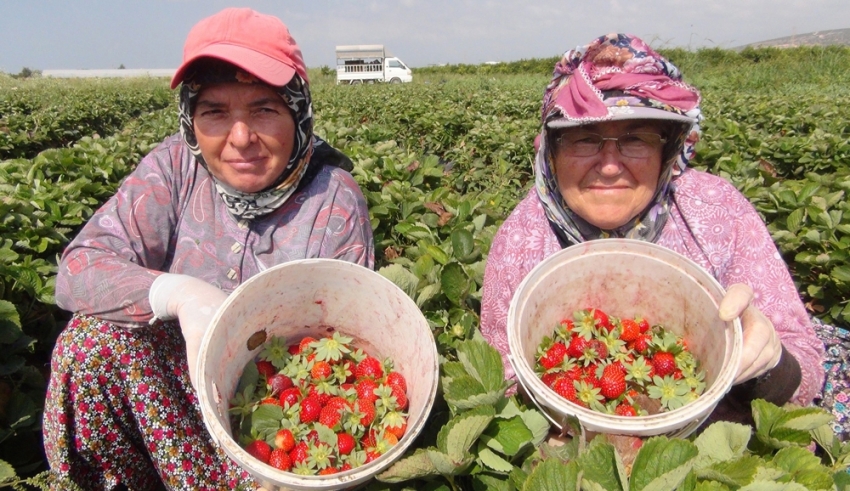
839	37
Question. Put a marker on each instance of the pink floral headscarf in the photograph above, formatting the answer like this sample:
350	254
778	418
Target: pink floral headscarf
615	77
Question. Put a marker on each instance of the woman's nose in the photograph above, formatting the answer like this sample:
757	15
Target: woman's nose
610	161
241	134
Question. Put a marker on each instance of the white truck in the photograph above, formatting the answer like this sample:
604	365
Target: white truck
369	63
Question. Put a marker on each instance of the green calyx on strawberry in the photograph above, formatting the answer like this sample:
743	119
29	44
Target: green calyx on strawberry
315	400
618	366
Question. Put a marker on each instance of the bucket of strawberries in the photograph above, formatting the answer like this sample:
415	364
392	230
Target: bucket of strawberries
623	335
317	374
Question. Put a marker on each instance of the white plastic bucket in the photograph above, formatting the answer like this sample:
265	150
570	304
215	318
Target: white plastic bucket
625	278
315	297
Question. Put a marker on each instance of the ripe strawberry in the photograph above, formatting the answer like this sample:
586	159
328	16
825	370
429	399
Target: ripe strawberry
266	368
400	398
321	370
550	377
290	396
574	373
345	442
642	343
320	395
567	324
312	437
564	387
369	439
595	351
305	343
629	330
554	355
327	471
602	319
278	383
330	416
370	367
310	409
396	379
284	439
590	376
299	453
398	431
338	403
366	389
577	346
367	411
664	363
643	324
390	438
260	450
613	381
271	400
279	459
625	410
371	456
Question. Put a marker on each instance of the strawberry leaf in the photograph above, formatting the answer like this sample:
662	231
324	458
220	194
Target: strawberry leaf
265	420
537	424
7	472
601	467
720	442
804	466
733	473
493	460
490	482
483	363
402	277
507	436
804	419
553	474
458	435
446	465
411	467
662	463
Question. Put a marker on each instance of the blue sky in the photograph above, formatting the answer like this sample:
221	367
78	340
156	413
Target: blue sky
82	34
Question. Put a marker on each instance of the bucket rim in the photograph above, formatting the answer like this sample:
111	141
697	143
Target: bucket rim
291	480
668	422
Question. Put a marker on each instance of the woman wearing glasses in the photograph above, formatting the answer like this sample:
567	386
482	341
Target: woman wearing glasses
618	130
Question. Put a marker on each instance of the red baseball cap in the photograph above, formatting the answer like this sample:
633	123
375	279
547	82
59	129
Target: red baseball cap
257	43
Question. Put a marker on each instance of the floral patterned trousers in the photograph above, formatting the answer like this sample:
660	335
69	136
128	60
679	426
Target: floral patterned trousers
121	413
835	397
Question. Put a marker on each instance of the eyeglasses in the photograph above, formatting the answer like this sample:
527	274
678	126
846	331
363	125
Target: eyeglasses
634	145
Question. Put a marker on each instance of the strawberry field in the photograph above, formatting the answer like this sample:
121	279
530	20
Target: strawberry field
442	161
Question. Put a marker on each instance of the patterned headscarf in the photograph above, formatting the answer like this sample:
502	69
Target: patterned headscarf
296	95
616	77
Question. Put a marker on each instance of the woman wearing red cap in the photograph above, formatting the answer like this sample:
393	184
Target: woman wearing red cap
244	186
618	130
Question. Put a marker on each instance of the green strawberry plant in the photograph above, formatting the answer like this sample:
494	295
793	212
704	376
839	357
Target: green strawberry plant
493	442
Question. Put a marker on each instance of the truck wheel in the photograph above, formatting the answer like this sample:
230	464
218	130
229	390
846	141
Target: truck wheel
356	82
395	80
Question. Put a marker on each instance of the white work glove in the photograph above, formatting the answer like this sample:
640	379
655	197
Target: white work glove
762	348
193	303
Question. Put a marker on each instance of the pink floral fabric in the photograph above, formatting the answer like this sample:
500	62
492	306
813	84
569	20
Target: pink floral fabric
712	224
120	411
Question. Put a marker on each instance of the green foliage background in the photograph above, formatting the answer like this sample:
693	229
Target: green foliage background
442	161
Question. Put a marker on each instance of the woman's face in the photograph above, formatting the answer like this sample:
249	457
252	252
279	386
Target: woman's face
246	134
607	189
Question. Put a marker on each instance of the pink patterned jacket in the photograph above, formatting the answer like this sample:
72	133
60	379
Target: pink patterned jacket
713	224
168	217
